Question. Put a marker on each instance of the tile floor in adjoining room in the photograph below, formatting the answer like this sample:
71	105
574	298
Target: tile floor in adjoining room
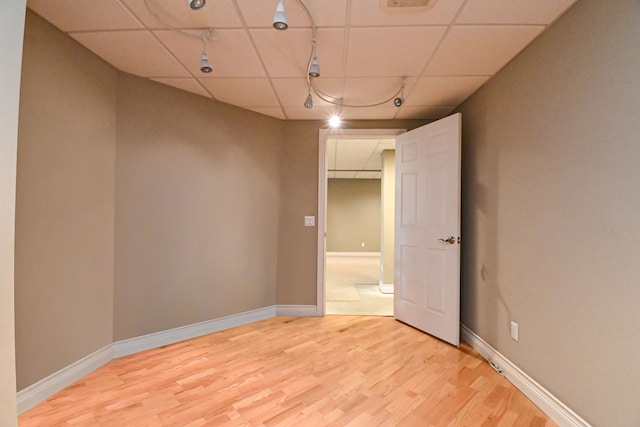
351	287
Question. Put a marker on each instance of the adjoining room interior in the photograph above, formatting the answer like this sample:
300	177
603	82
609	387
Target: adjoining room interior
359	212
144	204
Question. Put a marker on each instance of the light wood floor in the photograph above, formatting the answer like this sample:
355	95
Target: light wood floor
289	371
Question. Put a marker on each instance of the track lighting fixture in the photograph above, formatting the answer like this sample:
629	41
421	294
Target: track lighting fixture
205	64
203	34
309	102
314	68
196	4
400	100
314	64
280	21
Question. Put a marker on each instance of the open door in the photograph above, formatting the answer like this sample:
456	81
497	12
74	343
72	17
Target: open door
427	230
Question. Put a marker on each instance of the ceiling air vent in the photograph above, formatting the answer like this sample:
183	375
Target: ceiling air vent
405	5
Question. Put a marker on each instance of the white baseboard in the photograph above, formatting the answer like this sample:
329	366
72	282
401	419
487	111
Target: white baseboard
386	288
548	403
297	310
38	392
353	253
170	336
47	387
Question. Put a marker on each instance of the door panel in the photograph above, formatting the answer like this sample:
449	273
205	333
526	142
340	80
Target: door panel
427	270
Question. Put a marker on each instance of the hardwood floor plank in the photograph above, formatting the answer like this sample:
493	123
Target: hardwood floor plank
289	371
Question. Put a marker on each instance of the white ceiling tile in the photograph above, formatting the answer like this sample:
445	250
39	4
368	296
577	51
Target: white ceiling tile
443	90
370	90
354	154
326	13
275	112
231	53
433	113
512	11
178	14
391	52
381	112
234	91
301	113
184	83
383	47
386	144
135	52
329	89
286	53
370	13
87	15
293	92
480	50
374	162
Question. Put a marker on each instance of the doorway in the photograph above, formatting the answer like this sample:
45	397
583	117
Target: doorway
351	232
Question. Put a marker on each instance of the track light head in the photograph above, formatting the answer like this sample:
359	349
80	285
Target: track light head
280	21
309	102
205	64
400	99
314	67
196	4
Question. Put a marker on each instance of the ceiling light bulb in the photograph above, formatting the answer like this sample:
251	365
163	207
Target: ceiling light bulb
335	121
280	21
314	68
205	64
309	102
197	4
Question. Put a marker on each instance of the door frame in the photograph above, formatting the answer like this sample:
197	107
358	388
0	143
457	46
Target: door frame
326	133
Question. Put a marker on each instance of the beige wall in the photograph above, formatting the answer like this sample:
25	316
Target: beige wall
353	215
550	213
65	203
298	245
388	192
197	203
11	28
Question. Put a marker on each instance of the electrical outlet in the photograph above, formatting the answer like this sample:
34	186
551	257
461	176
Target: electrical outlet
514	330
309	221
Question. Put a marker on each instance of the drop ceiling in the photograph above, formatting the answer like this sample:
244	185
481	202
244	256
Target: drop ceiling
446	51
356	158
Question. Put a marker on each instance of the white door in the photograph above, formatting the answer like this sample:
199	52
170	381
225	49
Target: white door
427	245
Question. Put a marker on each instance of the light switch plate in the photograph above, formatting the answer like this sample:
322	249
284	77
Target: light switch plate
309	221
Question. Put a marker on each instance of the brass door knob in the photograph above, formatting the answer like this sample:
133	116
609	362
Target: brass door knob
451	240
